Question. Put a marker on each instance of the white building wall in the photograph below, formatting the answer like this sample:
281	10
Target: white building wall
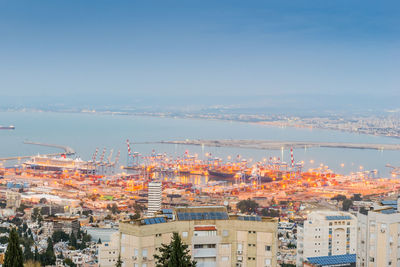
320	236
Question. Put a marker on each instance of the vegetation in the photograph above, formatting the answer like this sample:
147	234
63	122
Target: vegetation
363	211
119	261
247	206
175	254
69	262
13	257
31	263
290	246
113	208
356	197
339	198
347	204
270	213
48	257
59	236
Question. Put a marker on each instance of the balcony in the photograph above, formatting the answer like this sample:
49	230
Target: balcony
205	253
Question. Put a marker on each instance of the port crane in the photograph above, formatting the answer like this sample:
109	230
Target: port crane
395	170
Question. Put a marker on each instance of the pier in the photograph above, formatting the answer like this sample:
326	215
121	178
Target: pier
67	151
276	145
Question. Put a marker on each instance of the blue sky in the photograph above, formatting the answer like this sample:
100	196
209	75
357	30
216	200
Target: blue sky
195	49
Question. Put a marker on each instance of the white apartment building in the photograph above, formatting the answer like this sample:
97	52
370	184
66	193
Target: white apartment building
215	238
326	233
108	252
379	236
154	197
13	199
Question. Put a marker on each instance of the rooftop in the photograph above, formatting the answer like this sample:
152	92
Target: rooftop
333	260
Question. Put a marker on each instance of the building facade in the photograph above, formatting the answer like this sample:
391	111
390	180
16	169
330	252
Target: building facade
154	197
108	252
13	199
326	233
379	236
214	238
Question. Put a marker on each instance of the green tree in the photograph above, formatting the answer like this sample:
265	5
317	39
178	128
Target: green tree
270	212
49	258
35	214
24	227
363	210
356	197
36	255
347	204
69	262
247	206
175	254
119	261
60	236
28	254
72	240
339	197
13	257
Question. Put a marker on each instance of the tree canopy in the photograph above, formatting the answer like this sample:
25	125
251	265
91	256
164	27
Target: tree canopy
176	254
247	206
13	257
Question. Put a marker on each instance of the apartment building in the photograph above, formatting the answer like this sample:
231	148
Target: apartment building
108	252
154	197
379	236
326	234
214	237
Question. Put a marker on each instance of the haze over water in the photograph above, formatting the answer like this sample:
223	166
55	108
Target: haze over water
86	132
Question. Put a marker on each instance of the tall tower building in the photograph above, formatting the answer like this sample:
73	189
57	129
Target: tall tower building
154	197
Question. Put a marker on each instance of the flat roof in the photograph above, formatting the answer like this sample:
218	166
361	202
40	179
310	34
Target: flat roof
333	260
337	218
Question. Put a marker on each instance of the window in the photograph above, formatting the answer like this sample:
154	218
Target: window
267	248
225	258
240	246
136	252
198	246
267	261
225	246
225	233
184	234
144	264
144	252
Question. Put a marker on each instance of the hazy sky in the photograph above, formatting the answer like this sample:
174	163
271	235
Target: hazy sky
133	49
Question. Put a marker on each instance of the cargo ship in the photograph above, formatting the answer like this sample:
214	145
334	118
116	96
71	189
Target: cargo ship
59	164
231	176
224	175
11	127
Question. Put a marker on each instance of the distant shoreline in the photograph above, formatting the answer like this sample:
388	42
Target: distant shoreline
276	145
218	117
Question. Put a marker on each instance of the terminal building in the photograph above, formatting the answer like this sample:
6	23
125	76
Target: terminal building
215	238
327	235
